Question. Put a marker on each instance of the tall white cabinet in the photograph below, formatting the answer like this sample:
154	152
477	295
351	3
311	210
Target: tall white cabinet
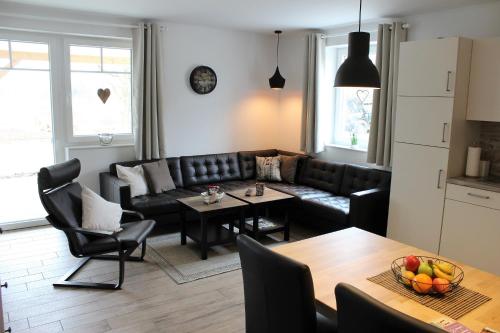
431	136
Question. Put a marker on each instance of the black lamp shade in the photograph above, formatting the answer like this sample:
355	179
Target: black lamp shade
358	70
277	81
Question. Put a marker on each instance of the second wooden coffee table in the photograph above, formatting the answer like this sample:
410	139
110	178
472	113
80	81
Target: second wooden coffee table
263	225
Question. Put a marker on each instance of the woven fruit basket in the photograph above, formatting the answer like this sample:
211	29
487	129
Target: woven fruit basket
427	275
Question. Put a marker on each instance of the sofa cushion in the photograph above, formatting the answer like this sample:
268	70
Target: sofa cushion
227	186
299	191
288	168
322	175
158	176
247	161
173	165
358	178
268	168
333	209
159	204
205	169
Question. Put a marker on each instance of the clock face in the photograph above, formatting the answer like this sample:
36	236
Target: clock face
203	80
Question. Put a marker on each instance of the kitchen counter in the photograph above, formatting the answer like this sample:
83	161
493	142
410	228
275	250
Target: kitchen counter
487	184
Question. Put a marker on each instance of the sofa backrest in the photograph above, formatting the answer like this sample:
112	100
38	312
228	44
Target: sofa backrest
205	169
357	178
247	161
326	176
174	166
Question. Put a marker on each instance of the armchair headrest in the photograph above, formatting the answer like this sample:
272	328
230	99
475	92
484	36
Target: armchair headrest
58	174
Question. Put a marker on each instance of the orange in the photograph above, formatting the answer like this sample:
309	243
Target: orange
422	283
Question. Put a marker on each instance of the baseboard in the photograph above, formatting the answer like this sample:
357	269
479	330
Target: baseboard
23	224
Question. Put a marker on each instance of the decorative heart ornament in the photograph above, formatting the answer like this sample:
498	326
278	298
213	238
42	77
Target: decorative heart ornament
362	95
103	94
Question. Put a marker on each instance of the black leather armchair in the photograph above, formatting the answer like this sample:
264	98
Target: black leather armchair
359	313
279	293
61	198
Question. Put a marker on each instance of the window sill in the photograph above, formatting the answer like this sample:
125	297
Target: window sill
331	145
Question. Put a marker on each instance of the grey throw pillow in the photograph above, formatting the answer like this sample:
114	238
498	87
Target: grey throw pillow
288	167
268	168
158	176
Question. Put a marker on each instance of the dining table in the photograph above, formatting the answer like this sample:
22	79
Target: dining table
353	255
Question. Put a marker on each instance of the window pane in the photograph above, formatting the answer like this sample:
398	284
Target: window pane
4	53
90	115
25	141
85	58
116	60
30	55
352	109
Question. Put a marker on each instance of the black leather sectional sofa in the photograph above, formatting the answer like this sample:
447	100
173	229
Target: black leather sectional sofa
328	196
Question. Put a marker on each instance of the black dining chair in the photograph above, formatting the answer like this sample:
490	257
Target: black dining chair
360	313
61	198
279	292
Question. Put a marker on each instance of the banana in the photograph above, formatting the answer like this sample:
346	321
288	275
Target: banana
445	267
440	274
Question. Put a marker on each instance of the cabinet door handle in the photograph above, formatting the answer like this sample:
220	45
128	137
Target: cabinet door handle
440	173
448	89
443	139
4	285
478	196
9	330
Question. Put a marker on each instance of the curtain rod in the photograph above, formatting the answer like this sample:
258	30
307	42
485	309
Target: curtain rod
63	20
404	26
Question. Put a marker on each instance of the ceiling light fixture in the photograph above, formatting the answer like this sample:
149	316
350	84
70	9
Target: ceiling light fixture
358	70
277	81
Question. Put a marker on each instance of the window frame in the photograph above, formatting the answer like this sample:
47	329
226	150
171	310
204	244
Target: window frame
340	41
119	138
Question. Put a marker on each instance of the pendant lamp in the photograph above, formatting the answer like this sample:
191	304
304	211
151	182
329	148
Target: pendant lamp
277	81
358	70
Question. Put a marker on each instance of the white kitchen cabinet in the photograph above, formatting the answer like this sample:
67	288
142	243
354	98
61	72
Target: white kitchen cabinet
424	120
471	235
484	84
428	68
417	195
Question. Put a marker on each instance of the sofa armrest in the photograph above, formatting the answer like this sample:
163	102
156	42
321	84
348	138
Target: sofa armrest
114	189
369	210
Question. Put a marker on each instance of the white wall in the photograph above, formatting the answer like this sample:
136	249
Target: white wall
241	113
471	21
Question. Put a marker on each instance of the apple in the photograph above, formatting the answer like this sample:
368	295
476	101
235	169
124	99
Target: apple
411	263
440	285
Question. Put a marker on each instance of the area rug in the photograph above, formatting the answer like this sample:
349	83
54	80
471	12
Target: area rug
183	264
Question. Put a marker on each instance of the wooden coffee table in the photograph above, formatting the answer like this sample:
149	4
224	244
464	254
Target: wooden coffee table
209	232
263	225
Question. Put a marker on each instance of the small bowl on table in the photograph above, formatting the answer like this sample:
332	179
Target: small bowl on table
455	276
212	198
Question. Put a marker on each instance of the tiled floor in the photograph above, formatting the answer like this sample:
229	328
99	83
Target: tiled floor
150	301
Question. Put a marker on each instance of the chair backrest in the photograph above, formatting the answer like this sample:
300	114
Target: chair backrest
61	198
279	293
360	313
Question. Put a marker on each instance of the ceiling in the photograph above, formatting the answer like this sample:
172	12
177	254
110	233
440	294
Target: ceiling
259	15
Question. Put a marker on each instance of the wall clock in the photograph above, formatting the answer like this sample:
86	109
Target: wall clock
203	80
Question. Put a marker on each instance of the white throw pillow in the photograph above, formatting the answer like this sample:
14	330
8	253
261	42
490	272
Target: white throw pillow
268	168
98	214
135	178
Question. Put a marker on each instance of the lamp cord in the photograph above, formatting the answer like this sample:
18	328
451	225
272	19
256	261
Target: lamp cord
277	50
359	24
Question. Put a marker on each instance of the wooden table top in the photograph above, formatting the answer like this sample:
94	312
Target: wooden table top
196	203
353	255
269	195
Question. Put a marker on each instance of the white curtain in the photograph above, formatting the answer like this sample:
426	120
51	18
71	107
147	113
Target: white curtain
148	105
381	141
315	124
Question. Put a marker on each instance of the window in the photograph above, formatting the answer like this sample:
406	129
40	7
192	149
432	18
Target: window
93	68
352	107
